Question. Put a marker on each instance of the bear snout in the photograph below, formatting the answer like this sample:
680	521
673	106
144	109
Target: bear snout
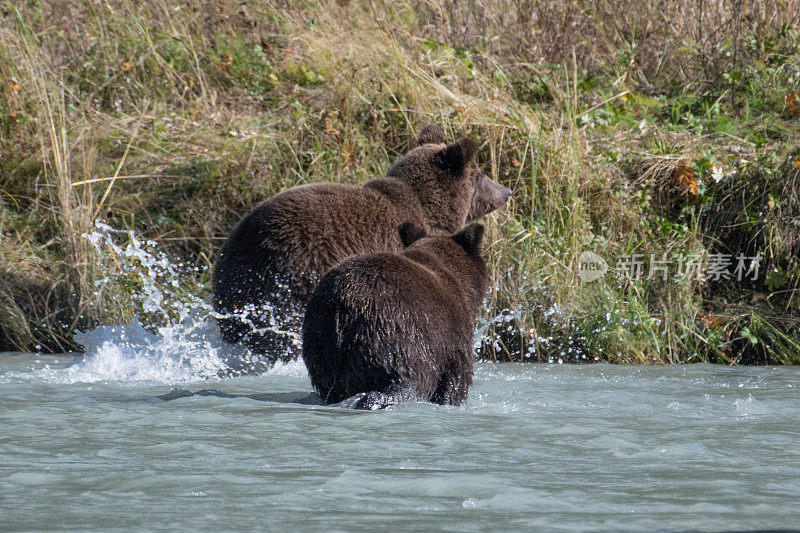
489	196
502	194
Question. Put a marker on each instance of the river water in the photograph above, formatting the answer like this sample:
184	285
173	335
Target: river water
110	443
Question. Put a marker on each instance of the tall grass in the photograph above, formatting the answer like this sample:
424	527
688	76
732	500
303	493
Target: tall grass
175	120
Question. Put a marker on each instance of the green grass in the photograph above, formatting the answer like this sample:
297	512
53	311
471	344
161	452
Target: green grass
174	121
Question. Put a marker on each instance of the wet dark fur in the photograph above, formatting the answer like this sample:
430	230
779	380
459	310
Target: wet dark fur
398	326
274	257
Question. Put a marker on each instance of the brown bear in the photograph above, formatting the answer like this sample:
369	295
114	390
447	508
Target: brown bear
275	255
398	326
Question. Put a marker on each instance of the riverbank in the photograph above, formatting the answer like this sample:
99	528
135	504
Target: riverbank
666	143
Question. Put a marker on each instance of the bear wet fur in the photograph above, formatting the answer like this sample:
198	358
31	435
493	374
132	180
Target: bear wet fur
398	326
272	260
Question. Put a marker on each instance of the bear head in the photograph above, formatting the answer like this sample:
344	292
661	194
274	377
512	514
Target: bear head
449	185
459	253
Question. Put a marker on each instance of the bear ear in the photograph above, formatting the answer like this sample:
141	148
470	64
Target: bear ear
410	233
430	134
470	239
455	157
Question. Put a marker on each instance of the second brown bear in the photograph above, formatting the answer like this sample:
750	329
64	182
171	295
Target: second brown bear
398	326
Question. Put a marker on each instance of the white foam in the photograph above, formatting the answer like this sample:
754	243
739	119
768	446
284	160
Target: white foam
128	352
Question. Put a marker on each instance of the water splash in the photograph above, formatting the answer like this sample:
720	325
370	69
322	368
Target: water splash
156	276
189	351
184	346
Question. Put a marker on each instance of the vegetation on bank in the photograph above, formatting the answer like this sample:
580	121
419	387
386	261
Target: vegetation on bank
640	131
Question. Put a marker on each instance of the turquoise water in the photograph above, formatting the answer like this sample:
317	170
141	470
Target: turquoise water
96	446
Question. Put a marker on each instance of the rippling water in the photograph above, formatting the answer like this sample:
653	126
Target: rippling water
537	446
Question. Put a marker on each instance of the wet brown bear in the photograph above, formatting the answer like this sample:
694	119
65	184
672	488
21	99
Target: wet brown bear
398	326
273	258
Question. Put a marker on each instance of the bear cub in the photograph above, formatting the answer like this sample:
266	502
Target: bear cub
398	326
273	259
